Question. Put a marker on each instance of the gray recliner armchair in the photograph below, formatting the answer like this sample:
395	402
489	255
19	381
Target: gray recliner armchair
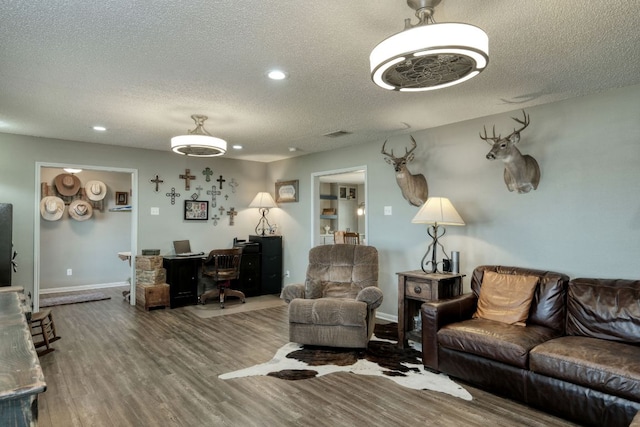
336	305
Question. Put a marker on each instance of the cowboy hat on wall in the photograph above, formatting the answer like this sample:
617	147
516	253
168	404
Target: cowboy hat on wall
80	210
51	208
95	190
67	184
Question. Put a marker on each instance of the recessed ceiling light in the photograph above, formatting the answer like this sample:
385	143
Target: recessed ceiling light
99	128
277	75
237	147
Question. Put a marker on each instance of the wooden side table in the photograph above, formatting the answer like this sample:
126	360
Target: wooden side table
416	287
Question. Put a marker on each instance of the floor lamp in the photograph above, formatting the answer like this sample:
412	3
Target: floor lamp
436	211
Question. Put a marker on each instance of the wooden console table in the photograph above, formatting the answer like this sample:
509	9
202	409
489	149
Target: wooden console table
416	287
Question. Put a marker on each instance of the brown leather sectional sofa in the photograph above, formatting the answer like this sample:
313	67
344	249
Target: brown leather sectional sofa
577	357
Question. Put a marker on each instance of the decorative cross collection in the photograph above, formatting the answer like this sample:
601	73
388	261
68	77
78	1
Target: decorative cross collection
207	172
214	192
232	213
173	195
157	181
187	178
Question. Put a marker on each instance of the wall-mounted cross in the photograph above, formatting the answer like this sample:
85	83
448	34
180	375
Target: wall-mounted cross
232	213
207	172
157	181
221	209
220	180
213	193
173	195
233	184
199	189
187	178
215	219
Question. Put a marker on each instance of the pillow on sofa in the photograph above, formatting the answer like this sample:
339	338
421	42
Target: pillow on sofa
506	298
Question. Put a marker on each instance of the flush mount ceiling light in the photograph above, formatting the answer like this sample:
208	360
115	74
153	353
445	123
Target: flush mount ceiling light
199	142
427	55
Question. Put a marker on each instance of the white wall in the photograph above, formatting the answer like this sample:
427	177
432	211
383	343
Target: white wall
583	220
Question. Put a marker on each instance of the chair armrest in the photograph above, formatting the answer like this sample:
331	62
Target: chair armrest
372	296
435	315
291	291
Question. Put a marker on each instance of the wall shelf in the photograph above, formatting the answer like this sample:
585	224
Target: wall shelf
328	197
328	216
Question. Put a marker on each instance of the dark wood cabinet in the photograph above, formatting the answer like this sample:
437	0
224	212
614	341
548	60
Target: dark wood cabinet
6	245
249	280
182	277
270	263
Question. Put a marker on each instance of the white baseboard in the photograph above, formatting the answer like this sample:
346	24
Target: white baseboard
387	317
82	288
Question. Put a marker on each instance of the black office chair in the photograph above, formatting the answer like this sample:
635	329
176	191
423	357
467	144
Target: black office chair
222	266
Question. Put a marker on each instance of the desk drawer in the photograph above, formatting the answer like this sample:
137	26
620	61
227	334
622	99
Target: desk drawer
418	289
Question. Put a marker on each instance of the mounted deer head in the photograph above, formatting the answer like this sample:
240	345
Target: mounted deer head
521	172
414	187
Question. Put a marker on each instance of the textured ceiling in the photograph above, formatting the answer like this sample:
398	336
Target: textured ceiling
142	68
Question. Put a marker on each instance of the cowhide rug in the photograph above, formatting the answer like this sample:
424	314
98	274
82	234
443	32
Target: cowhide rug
382	358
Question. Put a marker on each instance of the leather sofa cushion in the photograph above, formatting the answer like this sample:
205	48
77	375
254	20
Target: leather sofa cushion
506	297
609	367
499	341
603	308
549	300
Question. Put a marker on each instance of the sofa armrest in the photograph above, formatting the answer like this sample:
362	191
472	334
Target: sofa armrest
435	315
371	295
291	291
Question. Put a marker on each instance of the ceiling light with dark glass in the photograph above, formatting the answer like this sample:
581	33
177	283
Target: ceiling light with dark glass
198	142
428	55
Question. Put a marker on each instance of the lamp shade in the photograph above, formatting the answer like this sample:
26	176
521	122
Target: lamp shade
263	200
438	210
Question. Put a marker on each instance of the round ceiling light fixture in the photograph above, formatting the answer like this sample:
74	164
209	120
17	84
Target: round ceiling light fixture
427	55
198	142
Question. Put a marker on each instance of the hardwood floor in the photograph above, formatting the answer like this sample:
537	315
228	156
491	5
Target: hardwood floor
119	366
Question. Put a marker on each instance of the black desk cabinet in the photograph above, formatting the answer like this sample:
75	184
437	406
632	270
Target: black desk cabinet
182	277
249	281
271	263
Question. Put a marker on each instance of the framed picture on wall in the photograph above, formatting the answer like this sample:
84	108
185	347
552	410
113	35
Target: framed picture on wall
347	193
122	198
196	210
287	191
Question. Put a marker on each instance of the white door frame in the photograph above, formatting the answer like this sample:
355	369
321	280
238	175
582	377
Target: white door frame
315	200
36	227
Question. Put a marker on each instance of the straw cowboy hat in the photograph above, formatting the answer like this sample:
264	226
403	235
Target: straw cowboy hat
80	210
67	184
95	190
51	208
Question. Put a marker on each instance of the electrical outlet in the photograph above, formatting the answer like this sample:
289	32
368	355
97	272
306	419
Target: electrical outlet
287	274
69	272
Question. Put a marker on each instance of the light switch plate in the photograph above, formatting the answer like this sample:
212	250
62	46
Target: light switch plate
387	210
155	211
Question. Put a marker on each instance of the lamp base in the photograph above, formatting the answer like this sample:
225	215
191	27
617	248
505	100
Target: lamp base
431	266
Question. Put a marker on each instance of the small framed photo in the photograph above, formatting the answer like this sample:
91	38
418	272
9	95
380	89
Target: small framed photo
122	198
287	191
196	210
347	193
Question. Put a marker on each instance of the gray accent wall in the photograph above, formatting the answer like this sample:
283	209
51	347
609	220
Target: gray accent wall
584	219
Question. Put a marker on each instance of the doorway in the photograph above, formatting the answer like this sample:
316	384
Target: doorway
96	247
338	202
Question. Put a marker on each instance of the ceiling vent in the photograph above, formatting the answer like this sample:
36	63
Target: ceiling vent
337	134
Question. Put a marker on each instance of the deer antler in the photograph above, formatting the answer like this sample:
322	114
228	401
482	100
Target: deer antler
385	153
486	138
413	141
524	123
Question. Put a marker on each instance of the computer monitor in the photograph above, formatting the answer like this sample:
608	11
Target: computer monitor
181	247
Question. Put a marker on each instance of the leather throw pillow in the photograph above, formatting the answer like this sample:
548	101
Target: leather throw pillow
506	298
